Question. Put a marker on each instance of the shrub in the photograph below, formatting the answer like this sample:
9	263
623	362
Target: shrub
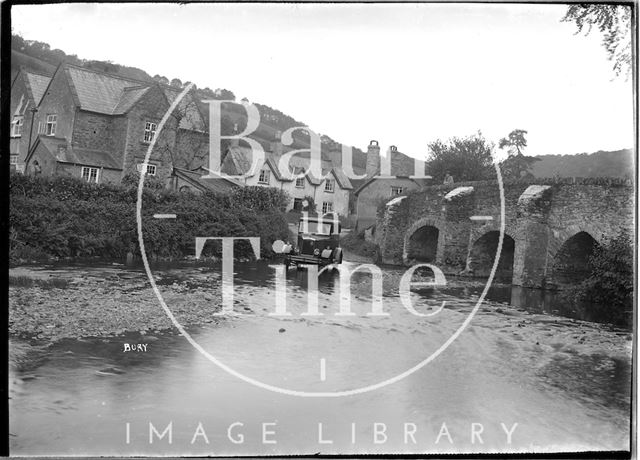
68	218
607	294
356	243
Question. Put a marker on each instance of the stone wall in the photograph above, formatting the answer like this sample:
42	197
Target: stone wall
539	218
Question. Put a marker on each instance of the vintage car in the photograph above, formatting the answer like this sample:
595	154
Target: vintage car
318	243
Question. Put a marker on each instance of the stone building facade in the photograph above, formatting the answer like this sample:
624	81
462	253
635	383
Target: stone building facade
330	193
376	188
99	127
27	90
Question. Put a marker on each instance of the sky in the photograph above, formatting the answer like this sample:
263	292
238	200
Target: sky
402	74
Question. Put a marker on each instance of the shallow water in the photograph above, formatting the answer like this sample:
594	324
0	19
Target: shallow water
564	382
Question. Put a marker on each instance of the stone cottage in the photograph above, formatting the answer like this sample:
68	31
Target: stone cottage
99	127
27	90
330	192
375	188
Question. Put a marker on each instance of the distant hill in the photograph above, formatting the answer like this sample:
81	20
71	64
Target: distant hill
619	163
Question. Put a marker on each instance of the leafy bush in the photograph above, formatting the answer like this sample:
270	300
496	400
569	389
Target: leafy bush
132	179
356	243
260	198
607	294
68	218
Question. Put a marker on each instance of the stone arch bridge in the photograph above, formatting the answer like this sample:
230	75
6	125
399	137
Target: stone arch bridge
551	227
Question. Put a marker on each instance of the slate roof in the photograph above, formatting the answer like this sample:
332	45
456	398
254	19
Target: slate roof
88	157
103	93
68	154
129	97
240	158
401	166
38	84
218	184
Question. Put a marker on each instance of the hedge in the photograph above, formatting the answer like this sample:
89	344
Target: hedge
62	217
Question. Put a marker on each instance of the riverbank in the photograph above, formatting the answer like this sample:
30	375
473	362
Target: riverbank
100	302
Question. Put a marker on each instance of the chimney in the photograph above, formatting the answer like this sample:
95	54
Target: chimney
276	145
373	158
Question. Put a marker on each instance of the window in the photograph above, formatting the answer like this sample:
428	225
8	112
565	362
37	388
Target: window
149	131
264	176
328	185
90	174
396	191
16	126
327	206
300	182
50	126
151	169
13	159
297	204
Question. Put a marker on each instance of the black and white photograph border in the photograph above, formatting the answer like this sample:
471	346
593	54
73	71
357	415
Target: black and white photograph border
441	259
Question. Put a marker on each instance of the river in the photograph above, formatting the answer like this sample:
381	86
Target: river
522	376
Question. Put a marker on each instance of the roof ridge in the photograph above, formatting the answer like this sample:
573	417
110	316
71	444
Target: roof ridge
131	88
118	77
37	73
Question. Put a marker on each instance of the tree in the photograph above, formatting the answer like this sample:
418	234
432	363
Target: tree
607	294
465	158
516	165
515	141
614	23
190	148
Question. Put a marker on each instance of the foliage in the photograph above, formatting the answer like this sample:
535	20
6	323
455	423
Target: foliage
132	179
465	158
516	165
614	23
356	243
608	291
515	142
619	163
68	218
311	206
260	198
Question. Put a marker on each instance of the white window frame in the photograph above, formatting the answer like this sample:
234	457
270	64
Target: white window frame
149	132
267	176
50	125
16	126
13	159
300	182
329	185
327	206
89	176
150	170
395	191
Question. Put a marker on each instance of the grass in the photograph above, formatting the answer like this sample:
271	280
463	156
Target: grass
27	282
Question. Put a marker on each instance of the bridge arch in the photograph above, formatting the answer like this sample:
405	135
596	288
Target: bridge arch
424	241
482	254
570	261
